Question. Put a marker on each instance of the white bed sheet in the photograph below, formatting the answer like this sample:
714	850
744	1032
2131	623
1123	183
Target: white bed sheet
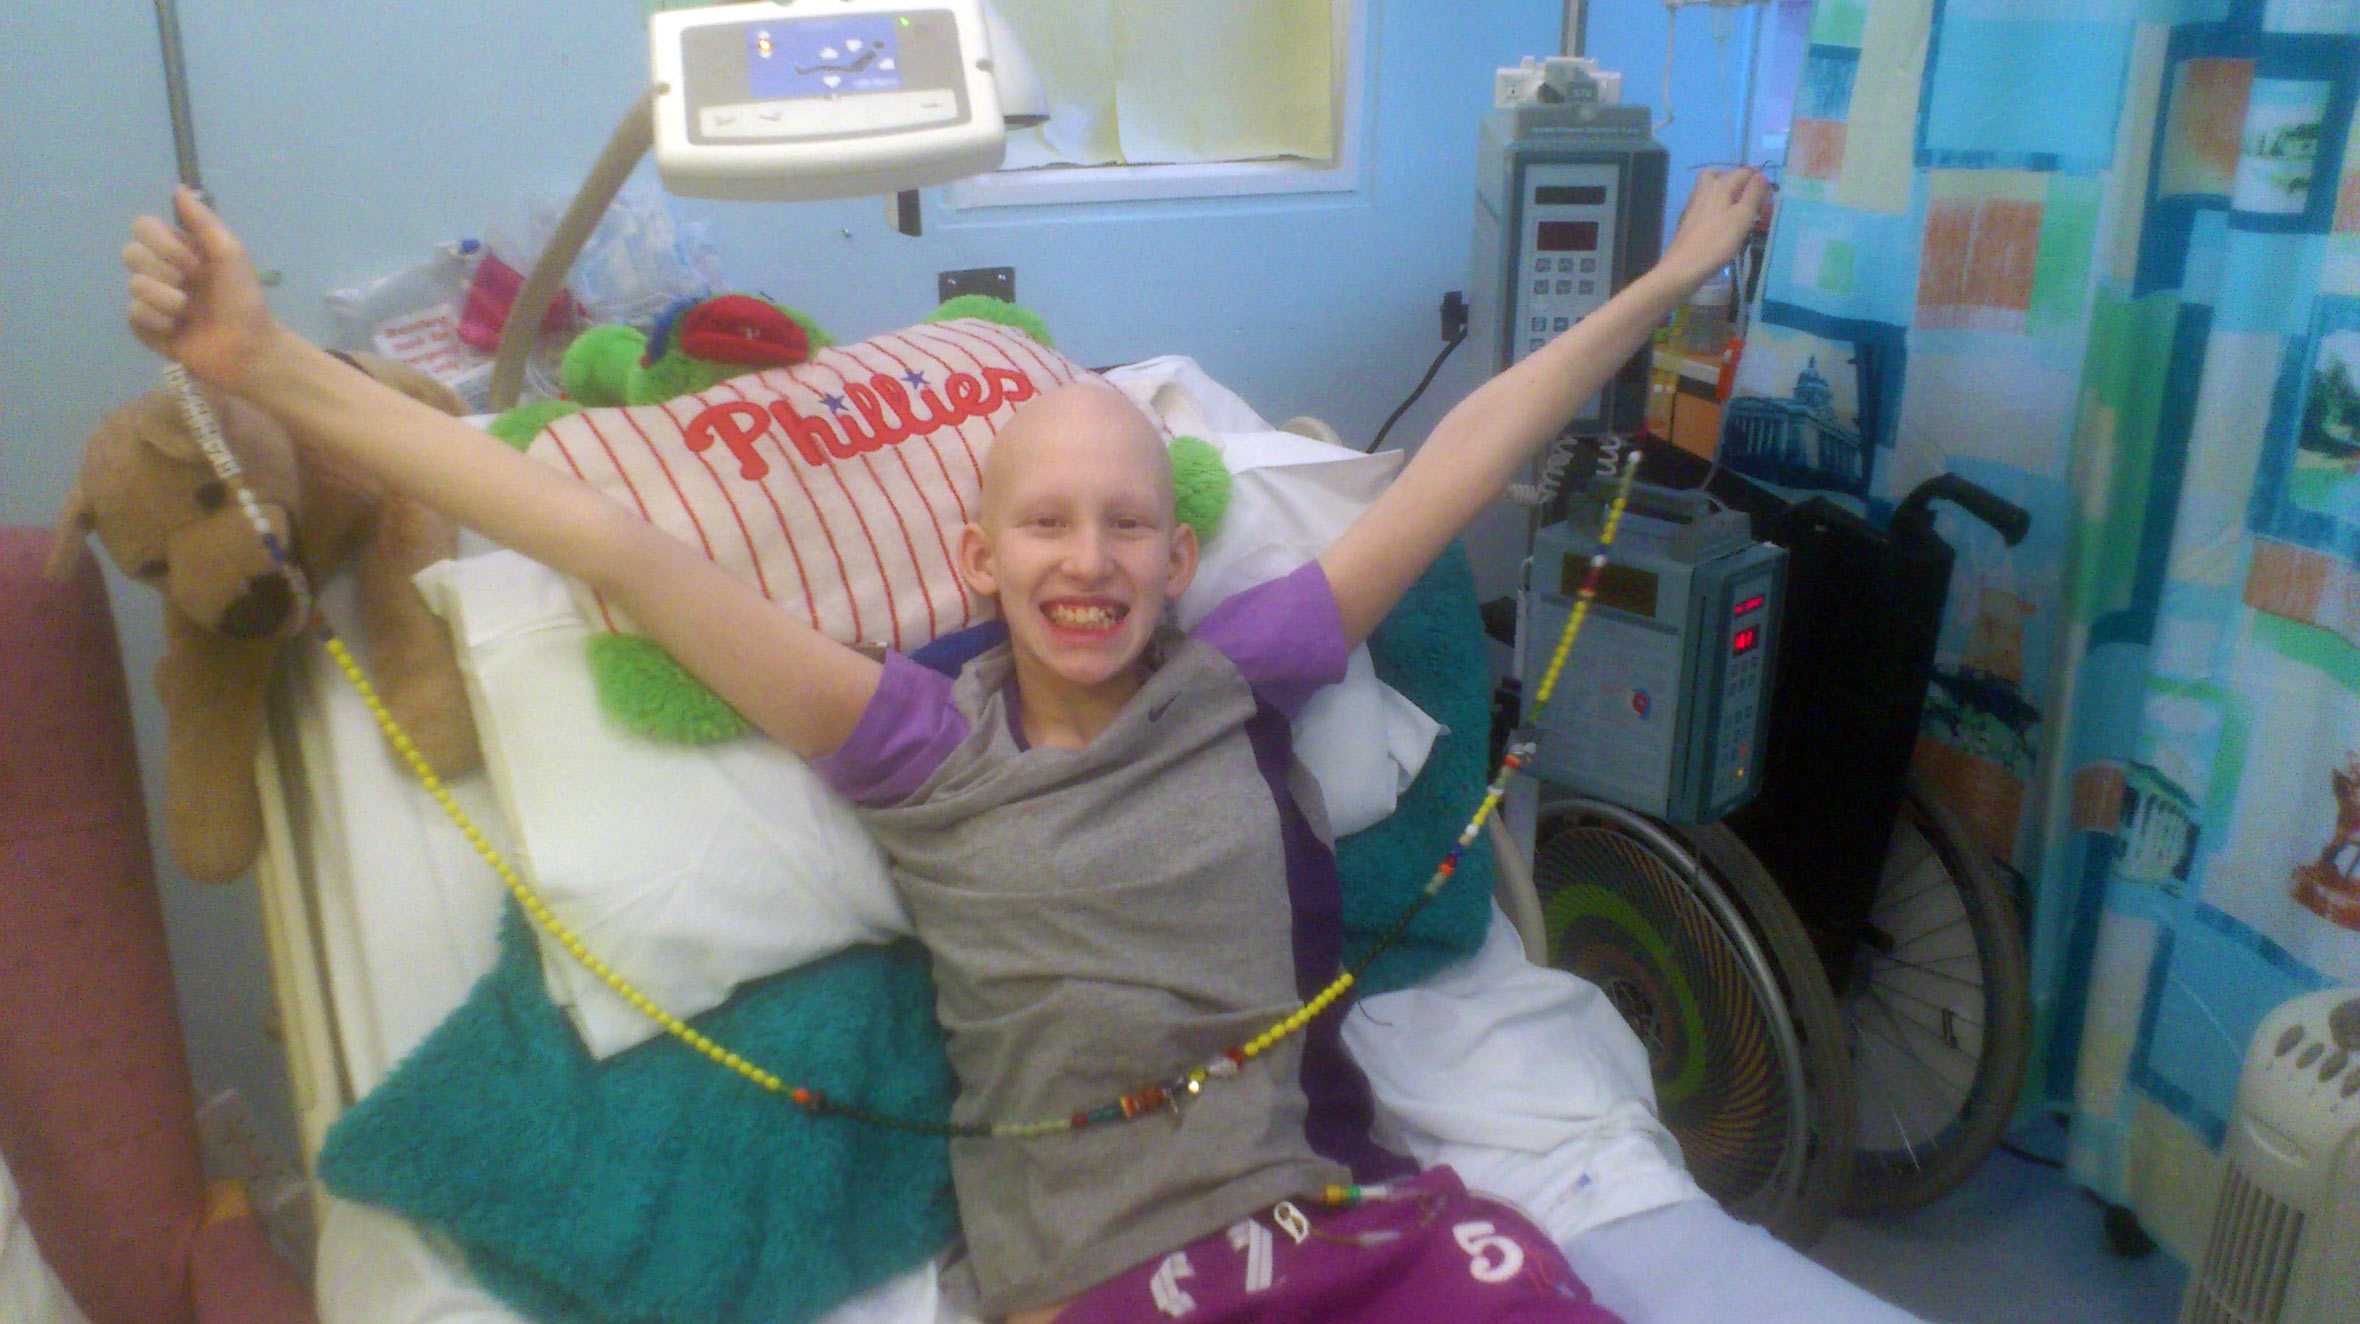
1520	1077
30	1292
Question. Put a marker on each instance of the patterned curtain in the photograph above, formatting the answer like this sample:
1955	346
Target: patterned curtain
2103	257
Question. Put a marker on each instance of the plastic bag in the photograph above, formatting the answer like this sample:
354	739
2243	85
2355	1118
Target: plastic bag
492	292
638	262
414	316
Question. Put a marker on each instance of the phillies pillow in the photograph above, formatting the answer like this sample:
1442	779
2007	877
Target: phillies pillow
837	486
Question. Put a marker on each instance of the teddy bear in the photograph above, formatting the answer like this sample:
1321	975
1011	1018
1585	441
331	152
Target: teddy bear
149	496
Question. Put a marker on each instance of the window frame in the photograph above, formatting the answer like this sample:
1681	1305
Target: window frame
1040	186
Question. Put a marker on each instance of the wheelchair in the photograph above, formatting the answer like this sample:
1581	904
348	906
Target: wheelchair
1830	982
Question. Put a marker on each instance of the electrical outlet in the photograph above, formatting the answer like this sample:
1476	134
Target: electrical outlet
998	282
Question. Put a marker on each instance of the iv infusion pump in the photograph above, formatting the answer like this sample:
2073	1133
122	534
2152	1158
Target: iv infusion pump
1569	203
1663	706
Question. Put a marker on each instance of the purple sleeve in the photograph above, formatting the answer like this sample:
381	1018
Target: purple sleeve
1286	637
908	729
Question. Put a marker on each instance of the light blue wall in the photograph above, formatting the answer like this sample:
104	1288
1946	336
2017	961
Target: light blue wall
345	139
1712	51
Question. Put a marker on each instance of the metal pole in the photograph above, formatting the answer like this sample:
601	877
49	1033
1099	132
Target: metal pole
1574	35
632	138
1751	84
184	128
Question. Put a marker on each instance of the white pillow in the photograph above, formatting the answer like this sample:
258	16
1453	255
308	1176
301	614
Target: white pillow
1180	395
1362	741
689	869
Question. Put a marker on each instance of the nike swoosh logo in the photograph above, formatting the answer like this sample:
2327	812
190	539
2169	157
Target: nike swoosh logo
1158	711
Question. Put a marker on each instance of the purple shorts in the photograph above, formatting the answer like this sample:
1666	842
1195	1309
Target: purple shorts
1423	1249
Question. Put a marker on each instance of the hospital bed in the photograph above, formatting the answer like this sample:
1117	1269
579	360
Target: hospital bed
379	918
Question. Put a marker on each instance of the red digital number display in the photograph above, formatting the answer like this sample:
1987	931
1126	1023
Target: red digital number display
1568	237
1753	603
1745	640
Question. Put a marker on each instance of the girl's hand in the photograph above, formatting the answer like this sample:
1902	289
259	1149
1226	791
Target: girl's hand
1722	210
194	295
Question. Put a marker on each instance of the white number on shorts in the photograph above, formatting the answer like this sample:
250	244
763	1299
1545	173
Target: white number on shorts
1256	1242
1170	1298
1480	1240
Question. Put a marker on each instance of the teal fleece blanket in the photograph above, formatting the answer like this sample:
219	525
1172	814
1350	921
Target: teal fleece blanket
1431	648
656	1186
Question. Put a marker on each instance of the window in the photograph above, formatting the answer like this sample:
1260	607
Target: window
1152	99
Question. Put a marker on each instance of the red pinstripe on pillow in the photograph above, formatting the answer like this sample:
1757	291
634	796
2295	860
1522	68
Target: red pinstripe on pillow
838	485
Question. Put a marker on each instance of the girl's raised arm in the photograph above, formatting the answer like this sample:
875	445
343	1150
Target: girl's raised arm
195	299
1481	443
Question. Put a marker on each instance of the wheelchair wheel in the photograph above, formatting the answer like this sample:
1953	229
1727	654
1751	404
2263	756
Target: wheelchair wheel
1936	1013
1692	942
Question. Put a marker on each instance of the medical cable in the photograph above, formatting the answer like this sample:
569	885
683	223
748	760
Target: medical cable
1418	390
1671	29
1169	1095
1559	457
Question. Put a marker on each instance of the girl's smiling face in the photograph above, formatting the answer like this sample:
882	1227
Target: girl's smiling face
1078	541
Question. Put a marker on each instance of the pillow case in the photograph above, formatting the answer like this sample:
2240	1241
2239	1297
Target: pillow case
692	869
837	486
1289	497
1176	392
